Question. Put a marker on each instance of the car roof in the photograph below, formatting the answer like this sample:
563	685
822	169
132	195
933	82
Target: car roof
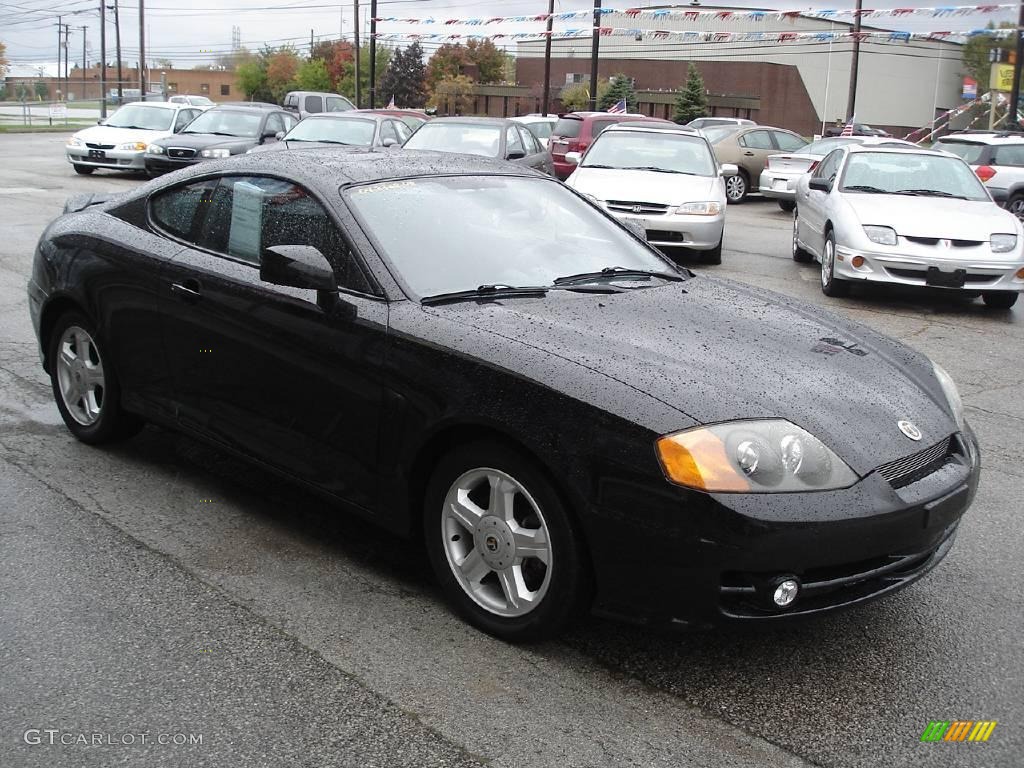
250	104
913	150
472	120
651	126
350	114
153	104
245	108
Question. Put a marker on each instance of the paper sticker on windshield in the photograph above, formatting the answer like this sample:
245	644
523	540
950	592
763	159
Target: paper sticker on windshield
383	187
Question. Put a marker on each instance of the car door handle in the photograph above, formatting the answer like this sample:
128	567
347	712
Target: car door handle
187	289
749	153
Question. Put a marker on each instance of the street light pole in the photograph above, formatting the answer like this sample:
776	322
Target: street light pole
83	28
1015	91
851	104
142	50
117	34
594	45
355	32
103	59
547	59
373	53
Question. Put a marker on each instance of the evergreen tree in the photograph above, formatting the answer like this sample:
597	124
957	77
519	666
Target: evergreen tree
620	88
405	78
693	100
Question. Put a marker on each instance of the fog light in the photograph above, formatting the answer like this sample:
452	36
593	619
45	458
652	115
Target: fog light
1020	274
785	592
858	262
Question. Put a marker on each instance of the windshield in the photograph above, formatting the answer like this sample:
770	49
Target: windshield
467	138
568	127
457	233
138	116
664	151
540	129
891	172
716	133
346	130
226	122
965	150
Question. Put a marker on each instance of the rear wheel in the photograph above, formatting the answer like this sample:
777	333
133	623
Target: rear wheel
787	205
503	546
799	254
85	170
736	188
85	385
830	284
999	299
1015	205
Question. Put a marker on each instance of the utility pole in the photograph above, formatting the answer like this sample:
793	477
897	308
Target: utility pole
67	57
142	50
373	53
311	43
83	28
103	60
851	103
355	27
117	34
1015	91
593	55
547	59
60	31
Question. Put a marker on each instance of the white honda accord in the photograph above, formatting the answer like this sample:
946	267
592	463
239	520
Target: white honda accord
662	177
908	216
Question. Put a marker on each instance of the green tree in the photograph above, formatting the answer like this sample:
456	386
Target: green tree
621	88
453	95
313	76
346	86
335	54
448	61
42	90
405	78
282	67
576	97
489	60
693	100
252	79
976	51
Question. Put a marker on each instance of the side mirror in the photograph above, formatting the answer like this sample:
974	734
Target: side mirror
297	266
515	154
388	142
279	135
730	169
819	183
268	135
573	158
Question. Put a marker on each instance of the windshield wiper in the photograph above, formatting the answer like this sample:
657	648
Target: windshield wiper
866	188
656	169
489	291
928	193
596	165
615	273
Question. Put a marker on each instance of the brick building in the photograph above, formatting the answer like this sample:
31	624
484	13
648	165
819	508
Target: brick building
84	85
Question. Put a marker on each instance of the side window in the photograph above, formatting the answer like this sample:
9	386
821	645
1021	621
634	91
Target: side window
757	140
251	213
291	100
274	123
334	104
599	125
387	131
1010	154
513	144
403	131
313	104
290	121
184	118
827	168
178	210
528	141
413	122
787	142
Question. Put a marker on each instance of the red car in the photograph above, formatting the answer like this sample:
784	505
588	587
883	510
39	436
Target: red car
413	118
576	131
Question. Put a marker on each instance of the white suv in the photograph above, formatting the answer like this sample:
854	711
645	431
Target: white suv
997	159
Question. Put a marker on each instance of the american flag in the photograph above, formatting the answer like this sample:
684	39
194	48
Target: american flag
848	128
618	109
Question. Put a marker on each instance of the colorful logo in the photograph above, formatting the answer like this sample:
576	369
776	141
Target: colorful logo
958	730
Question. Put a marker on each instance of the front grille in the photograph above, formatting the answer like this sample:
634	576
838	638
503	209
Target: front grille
664	235
637	208
911	468
935	241
181	152
99	146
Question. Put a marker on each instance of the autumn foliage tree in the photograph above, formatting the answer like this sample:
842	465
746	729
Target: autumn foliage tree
282	67
448	62
336	55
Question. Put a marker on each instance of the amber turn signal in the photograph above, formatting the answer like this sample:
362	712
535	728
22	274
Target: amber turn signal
697	459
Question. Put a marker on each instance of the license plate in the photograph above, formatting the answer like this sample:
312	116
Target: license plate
779	185
940	279
97	153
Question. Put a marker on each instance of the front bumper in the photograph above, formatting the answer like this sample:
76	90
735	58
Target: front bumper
701	233
164	164
983	270
115	159
701	560
779	185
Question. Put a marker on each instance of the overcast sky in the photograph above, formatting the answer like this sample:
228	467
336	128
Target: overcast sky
190	32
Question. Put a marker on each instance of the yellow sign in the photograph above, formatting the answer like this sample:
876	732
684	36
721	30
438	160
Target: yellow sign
1001	78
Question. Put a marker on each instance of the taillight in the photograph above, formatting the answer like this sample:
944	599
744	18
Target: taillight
814	164
985	172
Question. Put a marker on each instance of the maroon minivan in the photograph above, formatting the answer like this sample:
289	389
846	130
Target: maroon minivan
575	131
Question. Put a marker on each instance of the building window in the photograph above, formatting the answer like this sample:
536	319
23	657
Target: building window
572	78
225	90
204	87
172	87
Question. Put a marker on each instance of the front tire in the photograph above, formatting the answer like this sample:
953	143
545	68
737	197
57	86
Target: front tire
502	544
84	170
830	284
799	254
714	256
1015	205
787	205
736	188
1000	299
85	385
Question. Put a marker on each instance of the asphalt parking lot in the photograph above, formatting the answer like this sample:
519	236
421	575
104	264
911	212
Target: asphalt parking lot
160	588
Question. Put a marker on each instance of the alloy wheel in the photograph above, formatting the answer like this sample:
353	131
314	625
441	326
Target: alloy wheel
1016	207
497	542
80	375
827	257
735	188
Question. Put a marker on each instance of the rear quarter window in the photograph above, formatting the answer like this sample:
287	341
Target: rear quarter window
970	153
568	127
1010	154
599	125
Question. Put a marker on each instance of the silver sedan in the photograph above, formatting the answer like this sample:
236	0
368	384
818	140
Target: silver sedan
781	172
907	216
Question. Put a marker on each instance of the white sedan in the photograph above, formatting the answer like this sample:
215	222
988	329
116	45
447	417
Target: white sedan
906	216
119	142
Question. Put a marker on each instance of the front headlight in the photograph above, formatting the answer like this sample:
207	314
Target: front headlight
155	149
710	208
133	146
1002	243
216	153
880	235
74	141
952	394
761	456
